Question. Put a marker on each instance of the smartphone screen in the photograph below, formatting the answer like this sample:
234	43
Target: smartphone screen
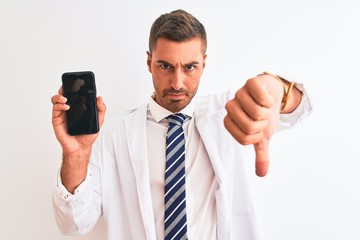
80	90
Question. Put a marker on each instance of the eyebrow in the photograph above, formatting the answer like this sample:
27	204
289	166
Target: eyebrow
186	64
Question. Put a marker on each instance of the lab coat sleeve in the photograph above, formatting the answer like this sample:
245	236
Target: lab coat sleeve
303	110
77	213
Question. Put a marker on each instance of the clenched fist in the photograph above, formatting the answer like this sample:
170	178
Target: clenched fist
253	115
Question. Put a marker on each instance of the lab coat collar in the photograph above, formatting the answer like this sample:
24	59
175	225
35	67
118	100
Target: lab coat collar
206	125
135	126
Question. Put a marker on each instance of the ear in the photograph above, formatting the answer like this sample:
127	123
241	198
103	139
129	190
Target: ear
204	61
148	61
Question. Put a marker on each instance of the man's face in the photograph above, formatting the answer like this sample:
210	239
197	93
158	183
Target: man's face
176	68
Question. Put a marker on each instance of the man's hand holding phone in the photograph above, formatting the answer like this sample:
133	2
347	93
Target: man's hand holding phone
77	148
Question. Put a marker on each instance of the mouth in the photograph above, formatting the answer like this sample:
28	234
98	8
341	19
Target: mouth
176	96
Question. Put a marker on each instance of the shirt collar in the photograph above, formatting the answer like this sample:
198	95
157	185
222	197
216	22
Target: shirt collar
159	113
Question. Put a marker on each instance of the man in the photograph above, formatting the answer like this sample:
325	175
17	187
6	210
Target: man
121	176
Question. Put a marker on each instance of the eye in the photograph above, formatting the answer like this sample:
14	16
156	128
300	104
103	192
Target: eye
190	67
165	66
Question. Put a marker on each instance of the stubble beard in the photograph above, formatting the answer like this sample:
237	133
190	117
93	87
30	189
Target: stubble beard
171	104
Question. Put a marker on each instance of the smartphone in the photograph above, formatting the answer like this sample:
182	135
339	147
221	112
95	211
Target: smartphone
80	90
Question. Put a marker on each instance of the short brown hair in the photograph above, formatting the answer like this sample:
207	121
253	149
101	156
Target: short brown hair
177	26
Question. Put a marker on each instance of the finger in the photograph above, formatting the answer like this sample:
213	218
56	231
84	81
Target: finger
251	107
101	109
243	120
58	99
58	109
60	91
258	91
57	118
61	107
239	135
262	160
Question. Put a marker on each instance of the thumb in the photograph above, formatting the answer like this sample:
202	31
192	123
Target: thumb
101	109
262	157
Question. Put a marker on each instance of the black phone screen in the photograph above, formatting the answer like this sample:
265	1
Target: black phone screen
80	90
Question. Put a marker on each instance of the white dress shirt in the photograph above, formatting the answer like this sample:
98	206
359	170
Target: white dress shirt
200	177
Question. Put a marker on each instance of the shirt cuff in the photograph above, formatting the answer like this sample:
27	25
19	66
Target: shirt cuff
288	120
64	193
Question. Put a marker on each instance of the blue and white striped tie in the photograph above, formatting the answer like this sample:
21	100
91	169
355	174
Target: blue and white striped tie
175	195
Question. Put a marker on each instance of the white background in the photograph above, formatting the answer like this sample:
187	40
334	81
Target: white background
312	190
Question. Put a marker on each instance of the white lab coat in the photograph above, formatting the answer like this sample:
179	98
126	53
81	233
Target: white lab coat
118	185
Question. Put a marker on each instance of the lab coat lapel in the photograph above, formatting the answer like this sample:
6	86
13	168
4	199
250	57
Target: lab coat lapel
206	123
135	127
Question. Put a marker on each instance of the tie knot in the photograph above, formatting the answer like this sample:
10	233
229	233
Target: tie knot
176	119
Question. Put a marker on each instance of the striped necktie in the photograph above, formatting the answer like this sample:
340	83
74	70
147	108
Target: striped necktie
175	196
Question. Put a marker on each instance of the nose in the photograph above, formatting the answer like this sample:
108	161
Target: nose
177	81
